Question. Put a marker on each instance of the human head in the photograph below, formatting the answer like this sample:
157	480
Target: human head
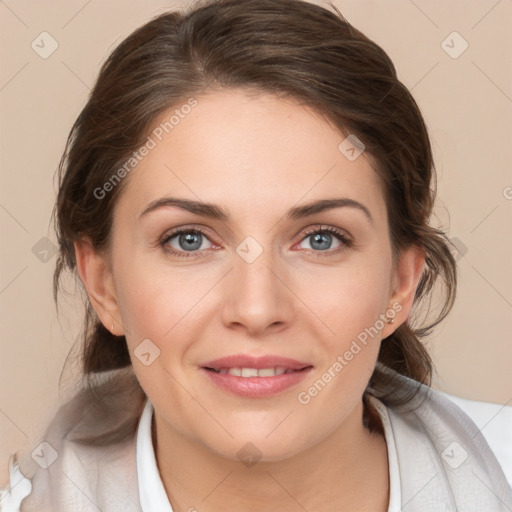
264	47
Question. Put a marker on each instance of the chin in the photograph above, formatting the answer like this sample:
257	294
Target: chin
252	446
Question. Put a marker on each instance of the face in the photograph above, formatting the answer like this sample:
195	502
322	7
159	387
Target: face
266	280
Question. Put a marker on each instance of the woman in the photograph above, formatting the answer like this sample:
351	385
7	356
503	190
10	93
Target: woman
245	198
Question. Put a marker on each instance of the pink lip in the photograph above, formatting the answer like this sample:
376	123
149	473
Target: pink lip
243	361
256	387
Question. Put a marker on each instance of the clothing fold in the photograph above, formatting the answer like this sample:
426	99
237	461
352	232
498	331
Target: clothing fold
88	457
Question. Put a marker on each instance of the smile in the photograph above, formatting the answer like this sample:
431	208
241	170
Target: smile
255	382
252	372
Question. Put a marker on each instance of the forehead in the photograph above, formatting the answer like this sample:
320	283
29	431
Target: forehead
251	153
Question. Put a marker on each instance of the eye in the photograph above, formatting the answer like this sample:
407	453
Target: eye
322	239
185	242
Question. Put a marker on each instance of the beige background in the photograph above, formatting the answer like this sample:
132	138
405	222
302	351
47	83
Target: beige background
467	104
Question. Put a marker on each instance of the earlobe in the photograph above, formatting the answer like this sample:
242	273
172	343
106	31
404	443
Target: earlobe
408	271
97	279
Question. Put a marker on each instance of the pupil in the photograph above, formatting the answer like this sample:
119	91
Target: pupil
190	241
322	241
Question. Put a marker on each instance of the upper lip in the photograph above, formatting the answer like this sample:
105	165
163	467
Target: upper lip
245	361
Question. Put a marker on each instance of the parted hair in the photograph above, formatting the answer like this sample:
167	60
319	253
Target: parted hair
289	48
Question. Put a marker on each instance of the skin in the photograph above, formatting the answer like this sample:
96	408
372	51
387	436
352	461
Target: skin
256	156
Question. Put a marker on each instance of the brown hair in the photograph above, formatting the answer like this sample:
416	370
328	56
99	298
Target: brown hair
289	48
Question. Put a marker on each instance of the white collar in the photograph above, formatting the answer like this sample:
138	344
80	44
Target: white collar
151	488
395	490
152	492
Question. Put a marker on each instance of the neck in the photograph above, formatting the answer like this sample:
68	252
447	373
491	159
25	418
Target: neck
346	471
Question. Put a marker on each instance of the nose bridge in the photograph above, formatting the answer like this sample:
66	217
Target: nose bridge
256	296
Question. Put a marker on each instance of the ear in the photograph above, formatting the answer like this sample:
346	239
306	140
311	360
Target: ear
95	273
405	279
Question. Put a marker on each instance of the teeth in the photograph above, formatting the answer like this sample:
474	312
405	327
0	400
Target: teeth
254	372
267	372
249	372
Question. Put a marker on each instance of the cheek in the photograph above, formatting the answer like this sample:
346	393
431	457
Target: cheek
163	304
348	299
348	340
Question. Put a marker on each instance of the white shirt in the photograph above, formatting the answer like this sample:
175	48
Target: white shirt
495	422
151	488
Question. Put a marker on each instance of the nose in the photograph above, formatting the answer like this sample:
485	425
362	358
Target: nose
257	299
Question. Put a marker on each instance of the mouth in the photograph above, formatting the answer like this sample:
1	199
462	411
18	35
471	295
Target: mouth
256	372
255	377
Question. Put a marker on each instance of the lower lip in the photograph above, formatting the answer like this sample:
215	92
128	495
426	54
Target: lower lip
256	387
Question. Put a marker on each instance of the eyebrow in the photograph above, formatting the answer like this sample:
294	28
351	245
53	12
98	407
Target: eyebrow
216	212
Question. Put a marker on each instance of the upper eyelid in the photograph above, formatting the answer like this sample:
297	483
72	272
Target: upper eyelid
330	229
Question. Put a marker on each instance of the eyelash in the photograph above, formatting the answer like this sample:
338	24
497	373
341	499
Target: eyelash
341	236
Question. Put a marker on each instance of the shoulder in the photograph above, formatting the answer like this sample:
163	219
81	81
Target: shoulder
89	446
17	489
494	421
452	448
